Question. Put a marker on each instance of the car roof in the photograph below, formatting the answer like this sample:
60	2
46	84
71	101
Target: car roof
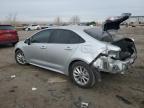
79	30
75	28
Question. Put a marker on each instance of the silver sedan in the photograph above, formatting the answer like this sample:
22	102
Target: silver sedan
79	52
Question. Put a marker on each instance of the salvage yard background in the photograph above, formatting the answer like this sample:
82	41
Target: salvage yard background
54	90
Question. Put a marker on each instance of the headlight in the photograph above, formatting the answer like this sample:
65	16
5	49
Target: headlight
113	54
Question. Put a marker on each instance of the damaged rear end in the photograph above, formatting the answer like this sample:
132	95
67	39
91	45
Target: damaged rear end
117	61
119	54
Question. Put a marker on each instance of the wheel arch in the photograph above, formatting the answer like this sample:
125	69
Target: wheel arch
17	49
74	61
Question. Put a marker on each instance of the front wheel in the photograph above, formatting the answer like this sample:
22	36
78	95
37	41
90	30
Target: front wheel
28	29
19	57
82	74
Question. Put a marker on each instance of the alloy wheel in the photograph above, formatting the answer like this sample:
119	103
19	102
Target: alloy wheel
81	75
20	58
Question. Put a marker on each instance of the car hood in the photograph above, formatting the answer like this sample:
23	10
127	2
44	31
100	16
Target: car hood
115	23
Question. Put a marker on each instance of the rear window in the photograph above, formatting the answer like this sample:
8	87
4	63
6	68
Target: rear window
95	33
99	34
6	27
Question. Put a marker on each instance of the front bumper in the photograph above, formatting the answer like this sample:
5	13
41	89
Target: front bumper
108	64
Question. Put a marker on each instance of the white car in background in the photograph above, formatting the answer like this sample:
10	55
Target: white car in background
33	27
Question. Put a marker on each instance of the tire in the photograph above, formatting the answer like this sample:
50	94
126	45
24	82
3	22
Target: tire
19	57
28	29
82	75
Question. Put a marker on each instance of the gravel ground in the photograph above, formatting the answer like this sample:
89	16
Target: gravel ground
54	90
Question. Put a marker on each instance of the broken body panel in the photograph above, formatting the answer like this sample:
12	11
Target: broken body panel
120	61
114	24
116	61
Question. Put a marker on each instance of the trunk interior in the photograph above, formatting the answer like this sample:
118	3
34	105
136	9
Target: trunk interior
127	48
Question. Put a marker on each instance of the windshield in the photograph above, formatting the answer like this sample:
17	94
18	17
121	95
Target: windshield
99	34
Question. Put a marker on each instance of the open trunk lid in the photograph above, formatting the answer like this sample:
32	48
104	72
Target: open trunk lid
115	23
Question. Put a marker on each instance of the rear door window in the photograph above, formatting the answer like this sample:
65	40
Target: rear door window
65	37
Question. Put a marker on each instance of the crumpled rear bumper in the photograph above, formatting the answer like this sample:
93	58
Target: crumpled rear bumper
108	64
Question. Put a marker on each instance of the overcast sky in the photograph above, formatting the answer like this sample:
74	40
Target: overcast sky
48	10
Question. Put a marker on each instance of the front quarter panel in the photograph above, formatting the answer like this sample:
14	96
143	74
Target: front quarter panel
20	45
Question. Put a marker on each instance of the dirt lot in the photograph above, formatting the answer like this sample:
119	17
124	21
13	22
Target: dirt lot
56	91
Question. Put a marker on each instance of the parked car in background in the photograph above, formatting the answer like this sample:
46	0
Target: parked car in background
80	52
33	27
8	35
45	26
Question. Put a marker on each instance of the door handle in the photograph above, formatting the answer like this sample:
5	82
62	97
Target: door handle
43	47
68	48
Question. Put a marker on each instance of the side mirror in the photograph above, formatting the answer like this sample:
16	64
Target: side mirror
28	41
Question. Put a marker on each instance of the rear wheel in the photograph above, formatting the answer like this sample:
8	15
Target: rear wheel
19	57
82	74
